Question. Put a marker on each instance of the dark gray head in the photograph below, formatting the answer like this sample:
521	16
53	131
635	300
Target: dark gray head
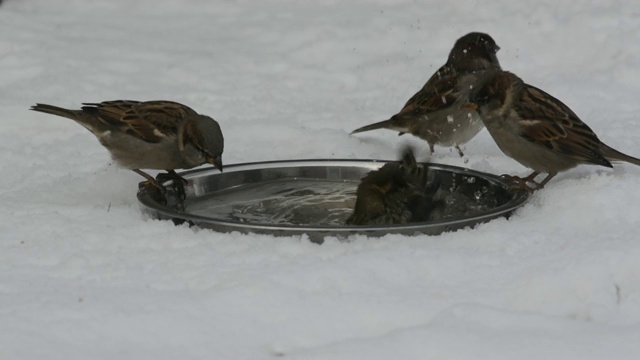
493	94
208	139
474	51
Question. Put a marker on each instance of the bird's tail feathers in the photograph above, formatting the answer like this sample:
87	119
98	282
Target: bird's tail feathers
614	155
55	110
391	124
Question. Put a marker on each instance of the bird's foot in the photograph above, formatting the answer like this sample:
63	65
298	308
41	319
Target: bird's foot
178	183
459	151
155	190
521	184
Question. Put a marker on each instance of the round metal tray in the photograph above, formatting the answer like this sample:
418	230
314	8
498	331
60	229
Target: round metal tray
314	197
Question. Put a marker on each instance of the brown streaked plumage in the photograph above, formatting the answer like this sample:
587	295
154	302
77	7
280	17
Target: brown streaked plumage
397	193
538	130
160	135
435	113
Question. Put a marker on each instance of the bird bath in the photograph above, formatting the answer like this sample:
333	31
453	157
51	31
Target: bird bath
315	197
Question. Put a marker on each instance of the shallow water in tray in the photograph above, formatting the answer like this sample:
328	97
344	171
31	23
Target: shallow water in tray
317	202
281	202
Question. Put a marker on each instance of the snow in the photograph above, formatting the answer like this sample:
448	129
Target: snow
84	275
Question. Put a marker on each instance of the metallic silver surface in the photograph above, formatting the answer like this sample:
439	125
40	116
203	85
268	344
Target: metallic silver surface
208	184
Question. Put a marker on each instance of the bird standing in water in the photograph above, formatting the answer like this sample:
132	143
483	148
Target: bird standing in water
397	193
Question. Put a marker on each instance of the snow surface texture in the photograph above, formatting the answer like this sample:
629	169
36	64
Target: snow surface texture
84	275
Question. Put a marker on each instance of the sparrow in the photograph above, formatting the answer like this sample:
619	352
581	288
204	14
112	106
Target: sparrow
435	113
158	135
397	193
538	130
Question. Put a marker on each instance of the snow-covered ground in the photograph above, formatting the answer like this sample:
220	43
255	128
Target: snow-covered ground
84	275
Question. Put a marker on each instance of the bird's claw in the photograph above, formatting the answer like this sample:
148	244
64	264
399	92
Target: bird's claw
178	183
521	184
459	151
155	190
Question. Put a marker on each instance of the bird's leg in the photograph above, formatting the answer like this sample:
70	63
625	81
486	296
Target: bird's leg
531	177
523	183
178	182
431	148
537	185
520	183
545	180
159	195
459	151
150	181
518	179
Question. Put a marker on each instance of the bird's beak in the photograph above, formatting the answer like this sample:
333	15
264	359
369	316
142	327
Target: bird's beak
215	161
470	106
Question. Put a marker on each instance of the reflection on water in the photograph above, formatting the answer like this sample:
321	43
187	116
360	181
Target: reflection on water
281	202
315	202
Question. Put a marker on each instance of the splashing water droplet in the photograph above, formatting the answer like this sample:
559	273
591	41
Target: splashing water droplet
330	203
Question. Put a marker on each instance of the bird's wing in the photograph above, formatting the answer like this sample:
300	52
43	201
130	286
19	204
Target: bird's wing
545	120
440	92
151	121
